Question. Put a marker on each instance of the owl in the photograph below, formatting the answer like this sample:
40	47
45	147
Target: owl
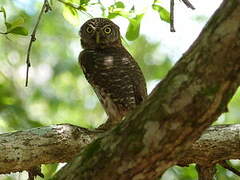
110	69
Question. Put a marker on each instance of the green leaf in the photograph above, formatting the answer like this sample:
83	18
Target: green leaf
117	9
71	15
134	27
19	30
163	13
8	25
122	13
119	4
4	13
18	21
13	24
84	2
49	169
112	15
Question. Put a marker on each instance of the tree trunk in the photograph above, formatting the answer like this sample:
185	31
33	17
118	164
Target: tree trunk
193	95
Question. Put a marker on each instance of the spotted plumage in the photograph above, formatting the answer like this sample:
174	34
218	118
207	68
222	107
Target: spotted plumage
112	72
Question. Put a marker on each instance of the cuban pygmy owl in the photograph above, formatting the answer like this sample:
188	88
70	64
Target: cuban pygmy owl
109	68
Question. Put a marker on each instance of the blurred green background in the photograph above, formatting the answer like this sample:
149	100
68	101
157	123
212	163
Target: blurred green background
58	92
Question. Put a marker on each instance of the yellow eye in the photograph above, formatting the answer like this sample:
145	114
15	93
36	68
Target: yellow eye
107	30
89	29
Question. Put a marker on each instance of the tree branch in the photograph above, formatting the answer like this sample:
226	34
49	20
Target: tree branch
206	173
172	28
188	4
23	150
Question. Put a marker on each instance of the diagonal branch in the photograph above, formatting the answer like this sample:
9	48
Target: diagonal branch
188	4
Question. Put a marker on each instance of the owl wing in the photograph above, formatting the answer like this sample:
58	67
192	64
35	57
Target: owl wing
139	85
86	64
137	78
87	60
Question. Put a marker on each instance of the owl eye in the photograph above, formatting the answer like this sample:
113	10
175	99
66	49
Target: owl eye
89	29
107	30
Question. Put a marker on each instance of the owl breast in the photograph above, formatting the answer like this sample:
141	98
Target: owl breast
116	79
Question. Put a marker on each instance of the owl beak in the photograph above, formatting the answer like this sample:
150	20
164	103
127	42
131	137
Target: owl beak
97	37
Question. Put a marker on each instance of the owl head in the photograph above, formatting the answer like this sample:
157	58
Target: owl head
99	33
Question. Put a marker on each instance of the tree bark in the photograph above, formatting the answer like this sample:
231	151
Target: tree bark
23	150
193	95
205	173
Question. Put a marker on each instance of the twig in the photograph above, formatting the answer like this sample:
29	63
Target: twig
227	166
45	8
34	172
188	4
172	29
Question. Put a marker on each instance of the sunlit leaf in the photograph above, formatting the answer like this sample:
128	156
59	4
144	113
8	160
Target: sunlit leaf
163	13
18	21
4	13
121	12
119	4
84	2
112	15
49	169
18	30
134	27
8	25
117	9
71	15
13	24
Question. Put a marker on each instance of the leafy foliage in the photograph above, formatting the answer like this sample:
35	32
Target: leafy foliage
163	13
15	26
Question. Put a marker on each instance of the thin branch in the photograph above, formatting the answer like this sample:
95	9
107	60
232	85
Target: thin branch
172	29
45	8
188	4
34	172
230	168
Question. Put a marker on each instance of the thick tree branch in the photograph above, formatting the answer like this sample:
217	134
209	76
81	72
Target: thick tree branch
23	150
217	143
194	94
